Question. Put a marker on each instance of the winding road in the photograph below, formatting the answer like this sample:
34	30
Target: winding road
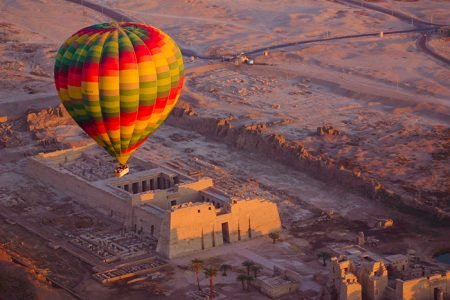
343	37
399	15
422	44
421	26
418	23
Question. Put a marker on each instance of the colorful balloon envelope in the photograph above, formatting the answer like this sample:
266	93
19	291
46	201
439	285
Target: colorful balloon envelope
119	82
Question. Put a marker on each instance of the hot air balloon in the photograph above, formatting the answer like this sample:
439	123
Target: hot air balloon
119	82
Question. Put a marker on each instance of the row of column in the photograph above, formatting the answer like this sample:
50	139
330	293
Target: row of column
216	204
159	183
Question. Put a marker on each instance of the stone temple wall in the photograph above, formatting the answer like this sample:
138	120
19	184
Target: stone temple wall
423	288
188	226
147	220
199	226
108	203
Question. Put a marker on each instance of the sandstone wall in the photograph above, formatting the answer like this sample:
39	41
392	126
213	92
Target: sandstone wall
183	193
200	226
254	138
147	222
78	188
351	291
422	288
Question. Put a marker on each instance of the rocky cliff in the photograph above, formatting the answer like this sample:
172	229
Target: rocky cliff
258	138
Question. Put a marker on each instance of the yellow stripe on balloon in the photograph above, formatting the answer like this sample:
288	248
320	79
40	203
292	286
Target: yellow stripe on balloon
89	88
74	92
147	68
63	94
129	76
149	90
109	82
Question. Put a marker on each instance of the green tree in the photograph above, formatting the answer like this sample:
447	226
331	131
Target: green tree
274	236
248	264
224	268
255	269
197	267
325	256
210	272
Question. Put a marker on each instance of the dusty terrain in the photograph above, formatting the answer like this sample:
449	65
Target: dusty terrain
387	100
358	127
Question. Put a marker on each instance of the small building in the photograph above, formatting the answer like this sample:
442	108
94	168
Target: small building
435	287
275	286
398	262
343	280
373	276
363	279
384	223
350	288
283	282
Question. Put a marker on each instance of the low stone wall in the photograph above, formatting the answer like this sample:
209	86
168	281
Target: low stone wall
78	188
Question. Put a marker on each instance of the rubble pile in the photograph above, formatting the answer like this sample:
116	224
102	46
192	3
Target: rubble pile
50	117
54	125
9	137
327	130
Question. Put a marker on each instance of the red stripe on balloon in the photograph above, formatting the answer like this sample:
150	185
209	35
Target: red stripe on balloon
144	112
112	124
126	57
127	118
129	149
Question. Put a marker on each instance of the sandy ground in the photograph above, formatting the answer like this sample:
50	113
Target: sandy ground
388	102
378	92
441	45
30	34
435	11
218	27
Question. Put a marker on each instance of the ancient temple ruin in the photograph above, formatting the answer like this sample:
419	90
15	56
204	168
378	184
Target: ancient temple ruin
184	213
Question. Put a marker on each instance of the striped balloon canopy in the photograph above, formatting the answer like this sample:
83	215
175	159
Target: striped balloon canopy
119	82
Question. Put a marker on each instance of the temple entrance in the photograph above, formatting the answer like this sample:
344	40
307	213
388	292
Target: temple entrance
225	233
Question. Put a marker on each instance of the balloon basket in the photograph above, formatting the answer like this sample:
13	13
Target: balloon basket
121	170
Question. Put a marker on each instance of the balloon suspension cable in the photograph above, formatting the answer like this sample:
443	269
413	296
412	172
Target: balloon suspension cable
121	166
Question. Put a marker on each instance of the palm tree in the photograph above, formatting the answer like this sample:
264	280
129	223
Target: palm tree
249	280
242	278
255	269
248	264
325	256
274	236
210	272
197	266
224	269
